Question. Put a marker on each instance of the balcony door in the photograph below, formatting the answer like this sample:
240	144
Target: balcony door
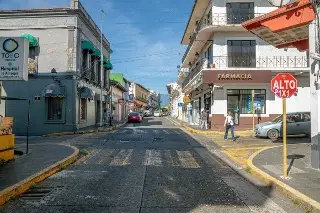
239	12
241	53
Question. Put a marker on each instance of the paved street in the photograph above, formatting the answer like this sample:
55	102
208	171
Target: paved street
149	167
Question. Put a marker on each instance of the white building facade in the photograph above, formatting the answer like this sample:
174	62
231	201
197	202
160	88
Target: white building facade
224	65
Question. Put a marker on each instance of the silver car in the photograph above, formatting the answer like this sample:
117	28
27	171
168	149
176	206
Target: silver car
298	123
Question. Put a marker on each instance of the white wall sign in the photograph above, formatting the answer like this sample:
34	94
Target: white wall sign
14	53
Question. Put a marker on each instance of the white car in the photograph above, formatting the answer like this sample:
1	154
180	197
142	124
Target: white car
157	114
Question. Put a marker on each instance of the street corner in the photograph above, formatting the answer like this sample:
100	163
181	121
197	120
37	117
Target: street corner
285	186
24	185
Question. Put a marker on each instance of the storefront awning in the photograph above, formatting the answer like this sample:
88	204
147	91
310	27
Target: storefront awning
86	92
87	45
53	90
108	65
97	53
285	27
33	41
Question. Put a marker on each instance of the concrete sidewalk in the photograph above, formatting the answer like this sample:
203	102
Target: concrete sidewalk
302	178
42	161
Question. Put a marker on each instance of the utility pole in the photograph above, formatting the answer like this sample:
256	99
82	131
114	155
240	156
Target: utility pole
101	70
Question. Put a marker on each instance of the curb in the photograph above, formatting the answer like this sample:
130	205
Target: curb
192	130
290	192
24	185
85	132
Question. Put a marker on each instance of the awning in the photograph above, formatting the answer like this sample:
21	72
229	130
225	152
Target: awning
108	65
285	27
105	60
53	90
97	53
33	41
86	92
87	45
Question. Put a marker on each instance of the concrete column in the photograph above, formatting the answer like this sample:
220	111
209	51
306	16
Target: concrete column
315	99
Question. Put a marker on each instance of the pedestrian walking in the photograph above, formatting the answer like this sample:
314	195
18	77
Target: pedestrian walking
229	125
204	120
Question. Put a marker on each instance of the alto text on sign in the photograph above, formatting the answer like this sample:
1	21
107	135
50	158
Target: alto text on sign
284	85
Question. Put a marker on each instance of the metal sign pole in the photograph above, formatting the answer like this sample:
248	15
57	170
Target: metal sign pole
252	109
284	136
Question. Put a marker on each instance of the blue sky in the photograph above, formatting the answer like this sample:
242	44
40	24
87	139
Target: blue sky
144	34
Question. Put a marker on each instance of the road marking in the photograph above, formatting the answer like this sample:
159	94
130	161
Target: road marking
166	131
122	158
232	148
106	155
122	131
187	160
152	158
176	131
156	131
169	158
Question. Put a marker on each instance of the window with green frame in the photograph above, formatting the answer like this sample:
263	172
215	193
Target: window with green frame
245	100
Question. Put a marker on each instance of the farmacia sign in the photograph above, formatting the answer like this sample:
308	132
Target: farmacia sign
14	53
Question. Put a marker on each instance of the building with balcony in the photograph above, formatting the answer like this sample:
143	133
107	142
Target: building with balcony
64	83
138	95
153	100
176	100
224	65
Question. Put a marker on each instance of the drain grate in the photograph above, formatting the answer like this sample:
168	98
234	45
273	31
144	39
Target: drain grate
37	193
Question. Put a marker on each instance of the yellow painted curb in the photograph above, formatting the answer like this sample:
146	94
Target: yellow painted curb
24	185
282	187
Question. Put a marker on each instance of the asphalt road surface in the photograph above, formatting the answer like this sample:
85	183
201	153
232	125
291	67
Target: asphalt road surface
153	167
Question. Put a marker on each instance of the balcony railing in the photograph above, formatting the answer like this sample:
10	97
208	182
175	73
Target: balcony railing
219	19
260	62
200	65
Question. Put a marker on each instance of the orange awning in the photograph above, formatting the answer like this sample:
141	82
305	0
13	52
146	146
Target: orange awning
285	27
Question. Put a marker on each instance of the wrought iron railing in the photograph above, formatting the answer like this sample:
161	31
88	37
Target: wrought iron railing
260	62
201	64
219	19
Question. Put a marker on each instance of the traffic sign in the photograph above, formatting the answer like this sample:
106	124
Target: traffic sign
284	85
180	104
186	99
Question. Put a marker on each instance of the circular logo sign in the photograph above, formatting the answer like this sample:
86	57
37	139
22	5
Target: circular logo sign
186	100
10	45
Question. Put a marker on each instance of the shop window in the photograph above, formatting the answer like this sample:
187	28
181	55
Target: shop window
83	109
54	108
240	101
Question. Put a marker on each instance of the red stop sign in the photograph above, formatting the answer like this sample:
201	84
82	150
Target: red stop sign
284	85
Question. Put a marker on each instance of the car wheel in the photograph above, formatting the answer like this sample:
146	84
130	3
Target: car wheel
273	134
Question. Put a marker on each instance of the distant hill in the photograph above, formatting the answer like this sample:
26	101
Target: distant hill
164	100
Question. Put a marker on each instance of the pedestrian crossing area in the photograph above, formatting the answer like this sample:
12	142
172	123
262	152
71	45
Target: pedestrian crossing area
137	157
150	131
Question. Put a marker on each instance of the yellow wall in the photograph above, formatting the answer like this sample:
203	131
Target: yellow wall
7	144
140	92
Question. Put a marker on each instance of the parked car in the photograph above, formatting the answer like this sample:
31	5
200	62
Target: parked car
298	123
141	115
157	114
134	117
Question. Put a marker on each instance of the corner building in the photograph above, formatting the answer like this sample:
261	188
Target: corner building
224	65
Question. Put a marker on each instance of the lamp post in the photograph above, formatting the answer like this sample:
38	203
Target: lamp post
101	70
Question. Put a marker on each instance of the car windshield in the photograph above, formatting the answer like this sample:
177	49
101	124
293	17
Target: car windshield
133	114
